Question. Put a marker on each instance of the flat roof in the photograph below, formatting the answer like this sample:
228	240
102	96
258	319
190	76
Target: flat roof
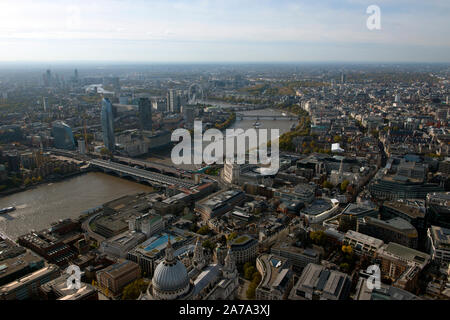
406	253
409	210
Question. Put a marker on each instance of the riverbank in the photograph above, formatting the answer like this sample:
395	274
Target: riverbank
73	198
12	191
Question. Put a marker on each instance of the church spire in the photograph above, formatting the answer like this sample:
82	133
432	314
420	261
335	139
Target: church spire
198	259
341	167
229	261
169	252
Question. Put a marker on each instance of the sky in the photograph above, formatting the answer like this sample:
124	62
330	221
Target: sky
223	31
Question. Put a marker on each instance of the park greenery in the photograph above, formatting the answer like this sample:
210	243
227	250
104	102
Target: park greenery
204	230
226	123
133	290
318	237
303	128
250	273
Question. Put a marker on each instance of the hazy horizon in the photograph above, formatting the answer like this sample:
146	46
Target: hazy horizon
232	31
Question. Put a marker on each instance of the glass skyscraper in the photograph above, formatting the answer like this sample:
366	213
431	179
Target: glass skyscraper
145	114
107	119
63	136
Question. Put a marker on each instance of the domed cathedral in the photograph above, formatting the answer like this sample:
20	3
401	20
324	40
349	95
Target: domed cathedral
172	280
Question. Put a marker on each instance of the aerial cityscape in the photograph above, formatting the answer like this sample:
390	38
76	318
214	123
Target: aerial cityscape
97	202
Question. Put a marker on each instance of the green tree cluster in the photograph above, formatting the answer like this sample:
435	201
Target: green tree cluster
318	237
204	230
256	279
134	289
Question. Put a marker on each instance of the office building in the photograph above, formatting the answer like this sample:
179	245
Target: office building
438	205
115	277
393	230
57	289
362	244
219	203
439	244
319	283
63	136
385	292
55	244
174	101
118	246
276	277
298	257
148	224
145	114
107	119
16	261
27	286
244	249
402	265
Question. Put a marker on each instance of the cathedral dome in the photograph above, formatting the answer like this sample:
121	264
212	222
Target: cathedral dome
170	279
170	276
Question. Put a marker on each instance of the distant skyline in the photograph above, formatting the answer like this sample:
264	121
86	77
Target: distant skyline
207	31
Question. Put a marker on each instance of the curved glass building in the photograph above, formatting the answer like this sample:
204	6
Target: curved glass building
63	136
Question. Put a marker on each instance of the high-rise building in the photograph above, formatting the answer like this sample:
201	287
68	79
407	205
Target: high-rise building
170	100
47	77
145	114
343	77
175	99
63	136
75	76
107	119
45	103
81	146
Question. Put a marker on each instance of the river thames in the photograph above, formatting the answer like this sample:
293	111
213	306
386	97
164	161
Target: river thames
37	208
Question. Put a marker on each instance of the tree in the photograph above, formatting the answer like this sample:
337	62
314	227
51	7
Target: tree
133	290
27	181
104	151
223	240
344	266
250	293
318	237
347	249
248	273
208	244
327	184
203	230
256	279
344	185
231	236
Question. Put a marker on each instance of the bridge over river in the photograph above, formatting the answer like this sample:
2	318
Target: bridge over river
153	178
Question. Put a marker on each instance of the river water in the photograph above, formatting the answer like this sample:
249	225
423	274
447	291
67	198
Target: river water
37	208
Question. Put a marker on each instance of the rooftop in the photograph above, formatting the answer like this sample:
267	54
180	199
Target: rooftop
413	212
441	236
406	253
